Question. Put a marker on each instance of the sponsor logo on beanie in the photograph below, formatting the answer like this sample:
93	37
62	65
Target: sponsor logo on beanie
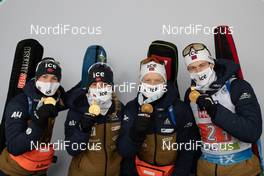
153	67
194	56
98	76
48	66
100	72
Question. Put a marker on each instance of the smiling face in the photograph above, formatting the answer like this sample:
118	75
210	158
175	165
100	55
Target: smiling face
48	78
199	66
153	79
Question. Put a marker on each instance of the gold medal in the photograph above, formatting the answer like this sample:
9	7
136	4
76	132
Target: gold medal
147	108
49	100
194	94
94	109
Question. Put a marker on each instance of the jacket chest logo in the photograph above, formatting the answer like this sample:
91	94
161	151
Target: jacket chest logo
167	122
167	130
17	115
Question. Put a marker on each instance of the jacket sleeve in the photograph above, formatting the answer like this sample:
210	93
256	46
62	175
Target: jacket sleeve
126	146
187	132
73	134
246	123
21	136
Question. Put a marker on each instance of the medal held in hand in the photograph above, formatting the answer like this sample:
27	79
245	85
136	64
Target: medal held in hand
49	100
94	109
147	108
194	94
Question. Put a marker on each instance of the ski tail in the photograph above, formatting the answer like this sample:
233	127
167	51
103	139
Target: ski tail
225	48
27	55
93	54
168	53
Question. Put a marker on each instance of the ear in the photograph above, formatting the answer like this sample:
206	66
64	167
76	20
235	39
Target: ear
212	66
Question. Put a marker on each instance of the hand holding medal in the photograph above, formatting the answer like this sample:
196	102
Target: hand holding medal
94	109
194	95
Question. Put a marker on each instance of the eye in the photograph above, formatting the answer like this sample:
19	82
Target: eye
147	80
203	65
191	69
45	76
54	79
158	81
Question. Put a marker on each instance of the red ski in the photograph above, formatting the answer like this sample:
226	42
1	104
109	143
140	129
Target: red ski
225	48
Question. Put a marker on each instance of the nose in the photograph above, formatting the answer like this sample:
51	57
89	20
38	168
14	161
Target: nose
199	69
152	82
196	70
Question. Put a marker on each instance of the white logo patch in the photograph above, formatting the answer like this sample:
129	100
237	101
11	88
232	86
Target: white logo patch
114	118
245	96
167	139
16	115
93	131
167	130
188	125
115	128
126	118
98	74
114	138
72	123
167	122
28	131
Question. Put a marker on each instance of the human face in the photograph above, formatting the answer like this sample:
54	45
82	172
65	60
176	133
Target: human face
153	79
48	78
199	66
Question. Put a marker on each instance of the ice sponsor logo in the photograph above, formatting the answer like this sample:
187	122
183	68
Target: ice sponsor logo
50	65
98	74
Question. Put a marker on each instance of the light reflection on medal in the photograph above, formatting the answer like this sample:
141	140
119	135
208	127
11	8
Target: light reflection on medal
194	94
94	109
49	100
147	108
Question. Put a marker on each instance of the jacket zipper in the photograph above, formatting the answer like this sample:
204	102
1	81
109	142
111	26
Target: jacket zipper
216	169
